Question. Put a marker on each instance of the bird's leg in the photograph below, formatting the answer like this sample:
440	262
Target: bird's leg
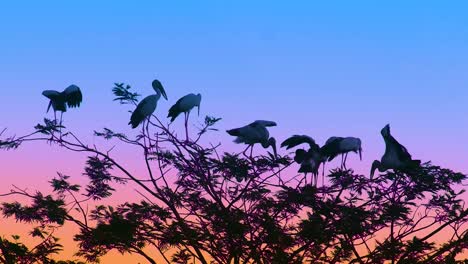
60	125
346	157
342	159
147	132
55	124
245	150
186	125
251	152
305	177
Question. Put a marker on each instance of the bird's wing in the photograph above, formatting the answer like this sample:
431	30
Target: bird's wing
264	123
73	96
238	131
402	152
144	109
175	110
331	147
249	134
296	140
51	94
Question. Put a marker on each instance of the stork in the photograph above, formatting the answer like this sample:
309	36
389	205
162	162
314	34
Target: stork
335	146
71	96
255	132
146	107
310	160
185	105
396	156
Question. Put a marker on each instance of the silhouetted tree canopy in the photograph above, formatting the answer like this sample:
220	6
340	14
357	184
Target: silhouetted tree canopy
198	204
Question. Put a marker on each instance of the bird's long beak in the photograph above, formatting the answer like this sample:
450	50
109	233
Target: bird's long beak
163	92
360	154
48	108
273	146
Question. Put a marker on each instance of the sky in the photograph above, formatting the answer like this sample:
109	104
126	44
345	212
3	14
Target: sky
321	68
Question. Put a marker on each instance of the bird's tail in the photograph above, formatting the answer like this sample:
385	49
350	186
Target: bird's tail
136	119
415	163
233	132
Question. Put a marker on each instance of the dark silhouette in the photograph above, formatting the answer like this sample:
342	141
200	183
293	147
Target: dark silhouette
71	96
396	156
253	133
335	146
185	105
147	106
197	205
309	160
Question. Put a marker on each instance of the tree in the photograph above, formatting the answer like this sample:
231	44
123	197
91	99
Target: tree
199	205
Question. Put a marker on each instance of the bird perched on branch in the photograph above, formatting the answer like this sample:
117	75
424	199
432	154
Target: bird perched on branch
185	105
309	160
254	133
335	146
71	97
147	106
396	156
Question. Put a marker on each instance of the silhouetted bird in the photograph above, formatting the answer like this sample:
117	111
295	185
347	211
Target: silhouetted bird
71	96
147	106
253	133
335	146
310	160
396	156
185	105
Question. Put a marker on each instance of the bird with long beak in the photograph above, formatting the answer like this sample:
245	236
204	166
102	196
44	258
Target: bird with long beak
185	105
309	160
253	133
148	105
396	156
335	146
71	96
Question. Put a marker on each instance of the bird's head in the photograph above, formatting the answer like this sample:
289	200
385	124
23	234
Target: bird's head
158	88
385	131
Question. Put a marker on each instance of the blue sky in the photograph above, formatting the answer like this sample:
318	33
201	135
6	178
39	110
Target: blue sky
317	67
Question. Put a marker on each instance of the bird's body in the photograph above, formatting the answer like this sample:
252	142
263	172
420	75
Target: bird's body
396	156
254	133
185	105
310	160
341	145
147	106
71	97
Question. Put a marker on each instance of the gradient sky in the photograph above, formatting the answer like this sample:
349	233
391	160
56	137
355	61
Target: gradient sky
341	68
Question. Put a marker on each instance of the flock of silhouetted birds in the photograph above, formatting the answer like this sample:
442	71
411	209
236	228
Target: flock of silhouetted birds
396	156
